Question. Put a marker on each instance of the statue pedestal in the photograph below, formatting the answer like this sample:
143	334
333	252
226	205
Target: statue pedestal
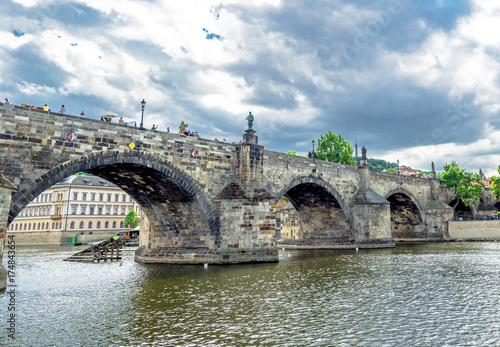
250	137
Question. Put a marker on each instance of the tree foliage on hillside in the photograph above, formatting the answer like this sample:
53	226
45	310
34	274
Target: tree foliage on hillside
379	164
292	152
131	219
461	182
335	149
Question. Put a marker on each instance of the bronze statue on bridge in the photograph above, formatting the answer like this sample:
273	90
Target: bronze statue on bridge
250	120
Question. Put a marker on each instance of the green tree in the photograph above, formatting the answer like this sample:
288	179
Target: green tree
495	185
335	149
461	182
132	219
292	152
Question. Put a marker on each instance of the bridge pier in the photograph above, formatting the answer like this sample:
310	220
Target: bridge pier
243	230
6	188
371	215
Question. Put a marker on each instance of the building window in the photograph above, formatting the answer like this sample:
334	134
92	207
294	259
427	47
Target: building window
92	196
99	225
83	210
73	209
37	198
106	225
52	225
84	196
108	210
90	225
24	226
75	196
48	211
81	225
124	197
101	197
115	210
29	226
117	197
123	210
91	210
38	226
16	227
72	225
114	225
109	197
121	224
99	210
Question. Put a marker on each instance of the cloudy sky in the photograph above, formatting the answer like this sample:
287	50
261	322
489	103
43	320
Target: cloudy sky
414	80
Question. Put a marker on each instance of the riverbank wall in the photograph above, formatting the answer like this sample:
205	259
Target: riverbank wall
476	229
55	238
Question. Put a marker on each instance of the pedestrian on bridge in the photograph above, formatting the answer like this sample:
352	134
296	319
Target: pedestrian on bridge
62	110
45	107
7	102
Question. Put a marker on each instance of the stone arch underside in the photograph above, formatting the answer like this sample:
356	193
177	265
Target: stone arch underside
462	212
178	212
406	218
314	215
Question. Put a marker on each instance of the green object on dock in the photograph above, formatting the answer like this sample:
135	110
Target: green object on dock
73	239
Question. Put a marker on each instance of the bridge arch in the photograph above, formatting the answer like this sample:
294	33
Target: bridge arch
314	181
315	214
173	201
461	211
407	215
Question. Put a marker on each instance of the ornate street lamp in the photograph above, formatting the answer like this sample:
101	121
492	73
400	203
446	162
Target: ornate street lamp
398	168
142	117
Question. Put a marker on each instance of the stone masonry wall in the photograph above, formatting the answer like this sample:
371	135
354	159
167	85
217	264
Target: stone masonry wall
34	143
478	229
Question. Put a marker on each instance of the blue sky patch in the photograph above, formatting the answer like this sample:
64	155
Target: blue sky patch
17	33
211	36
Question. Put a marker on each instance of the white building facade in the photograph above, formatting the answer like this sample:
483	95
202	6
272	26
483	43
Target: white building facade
78	206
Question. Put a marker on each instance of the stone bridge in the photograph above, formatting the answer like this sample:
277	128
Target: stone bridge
210	202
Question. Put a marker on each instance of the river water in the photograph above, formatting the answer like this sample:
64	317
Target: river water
439	294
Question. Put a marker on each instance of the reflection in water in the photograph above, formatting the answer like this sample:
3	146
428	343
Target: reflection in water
434	294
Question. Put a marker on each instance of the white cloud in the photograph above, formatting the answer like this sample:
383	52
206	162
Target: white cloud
469	156
458	62
11	42
34	89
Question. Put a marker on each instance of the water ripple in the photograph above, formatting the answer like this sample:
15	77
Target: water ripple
438	294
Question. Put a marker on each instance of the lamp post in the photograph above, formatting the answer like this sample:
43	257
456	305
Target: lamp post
142	117
398	168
